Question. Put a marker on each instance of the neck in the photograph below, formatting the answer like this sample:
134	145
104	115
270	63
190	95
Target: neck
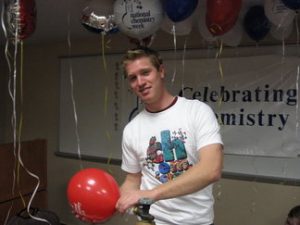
164	102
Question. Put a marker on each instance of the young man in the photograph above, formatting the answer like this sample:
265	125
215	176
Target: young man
172	150
293	217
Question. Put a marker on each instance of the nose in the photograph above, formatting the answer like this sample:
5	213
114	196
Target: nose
140	81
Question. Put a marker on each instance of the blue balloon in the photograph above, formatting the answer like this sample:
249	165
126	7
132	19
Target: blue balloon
179	10
256	24
292	4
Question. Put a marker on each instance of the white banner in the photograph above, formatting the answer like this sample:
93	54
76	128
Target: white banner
255	100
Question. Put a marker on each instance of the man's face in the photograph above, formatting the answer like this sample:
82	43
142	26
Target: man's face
145	80
292	221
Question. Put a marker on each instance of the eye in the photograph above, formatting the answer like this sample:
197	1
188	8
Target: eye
145	72
132	78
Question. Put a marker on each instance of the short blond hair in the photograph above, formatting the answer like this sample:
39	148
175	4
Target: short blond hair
140	52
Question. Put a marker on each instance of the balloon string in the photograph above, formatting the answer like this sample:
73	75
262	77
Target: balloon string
103	52
297	83
283	45
218	55
297	32
175	53
108	136
151	40
183	66
20	161
14	120
72	94
35	189
219	191
220	69
109	158
7	55
297	105
12	93
105	72
20	120
8	60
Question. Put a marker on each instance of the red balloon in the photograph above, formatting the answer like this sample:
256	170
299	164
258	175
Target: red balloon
21	14
93	194
221	15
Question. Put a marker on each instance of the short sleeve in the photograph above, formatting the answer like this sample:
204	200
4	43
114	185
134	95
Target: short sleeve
207	128
130	162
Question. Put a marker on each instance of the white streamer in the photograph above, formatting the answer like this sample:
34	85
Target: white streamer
297	32
7	57
175	53
35	189
297	105
72	95
183	67
12	84
297	83
283	46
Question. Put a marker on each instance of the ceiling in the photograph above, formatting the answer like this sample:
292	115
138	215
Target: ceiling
58	18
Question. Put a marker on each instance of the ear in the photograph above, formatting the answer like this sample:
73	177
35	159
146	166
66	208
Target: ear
162	71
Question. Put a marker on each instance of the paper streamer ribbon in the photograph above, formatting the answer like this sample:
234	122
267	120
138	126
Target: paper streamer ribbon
297	32
175	52
72	92
218	55
297	106
12	84
8	60
183	66
106	92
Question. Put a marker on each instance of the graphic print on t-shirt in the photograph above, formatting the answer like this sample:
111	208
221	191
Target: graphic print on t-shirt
167	158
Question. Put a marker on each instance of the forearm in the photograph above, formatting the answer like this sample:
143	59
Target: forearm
207	171
189	182
129	192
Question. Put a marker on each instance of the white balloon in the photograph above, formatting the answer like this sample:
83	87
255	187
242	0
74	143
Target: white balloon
138	19
281	33
234	36
278	13
201	22
182	28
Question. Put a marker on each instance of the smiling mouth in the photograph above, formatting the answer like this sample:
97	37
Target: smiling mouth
143	90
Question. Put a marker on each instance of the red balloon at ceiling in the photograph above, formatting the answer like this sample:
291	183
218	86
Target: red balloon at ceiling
21	16
221	15
92	194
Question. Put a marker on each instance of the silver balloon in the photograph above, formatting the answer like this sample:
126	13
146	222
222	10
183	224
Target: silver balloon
98	23
20	18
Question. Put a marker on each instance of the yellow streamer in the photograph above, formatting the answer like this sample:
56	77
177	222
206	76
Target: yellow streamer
106	93
109	158
105	72
103	52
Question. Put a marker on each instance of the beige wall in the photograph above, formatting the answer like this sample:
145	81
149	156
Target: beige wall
237	202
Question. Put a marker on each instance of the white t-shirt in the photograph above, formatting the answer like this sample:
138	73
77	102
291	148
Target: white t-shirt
164	145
